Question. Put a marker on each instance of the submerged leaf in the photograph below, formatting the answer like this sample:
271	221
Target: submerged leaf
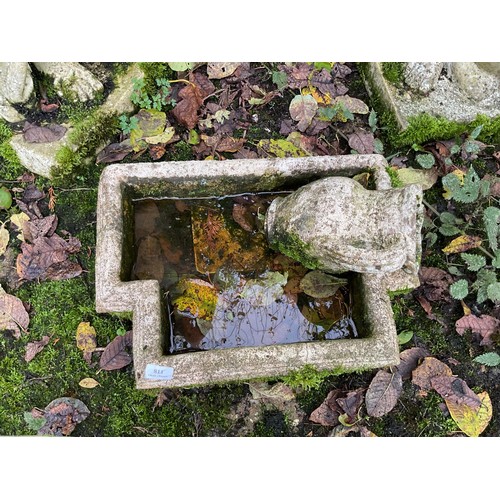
320	285
265	290
198	298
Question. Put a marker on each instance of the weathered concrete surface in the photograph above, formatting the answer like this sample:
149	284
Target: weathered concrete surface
344	227
451	96
39	158
16	86
72	75
377	345
422	76
118	100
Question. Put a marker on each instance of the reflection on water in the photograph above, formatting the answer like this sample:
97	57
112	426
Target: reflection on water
224	286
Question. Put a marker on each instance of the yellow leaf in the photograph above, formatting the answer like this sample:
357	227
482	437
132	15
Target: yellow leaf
460	175
466	308
85	337
319	98
462	244
472	421
18	220
4	239
88	383
162	138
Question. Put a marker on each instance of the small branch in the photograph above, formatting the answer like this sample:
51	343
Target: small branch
431	208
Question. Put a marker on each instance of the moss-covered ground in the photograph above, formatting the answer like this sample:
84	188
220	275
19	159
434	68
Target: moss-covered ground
117	408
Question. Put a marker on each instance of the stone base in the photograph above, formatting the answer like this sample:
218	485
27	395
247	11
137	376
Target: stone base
376	346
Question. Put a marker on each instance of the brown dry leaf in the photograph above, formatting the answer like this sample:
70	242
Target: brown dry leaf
33	348
156	151
365	432
37	134
219	70
36	228
462	244
47	258
455	390
115	355
186	110
62	415
485	326
203	83
409	360
13	315
435	283
428	369
352	104
472	421
426	306
115	152
302	109
362	141
223	143
351	404
383	393
329	411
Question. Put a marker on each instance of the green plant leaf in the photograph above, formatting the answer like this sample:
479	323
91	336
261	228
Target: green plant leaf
280	79
485	278
496	261
34	423
449	218
474	262
180	66
460	289
475	133
405	336
465	191
488	359
449	230
491	219
372	120
493	291
426	161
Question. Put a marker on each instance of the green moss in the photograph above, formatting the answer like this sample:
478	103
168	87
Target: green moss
181	151
307	378
291	245
395	180
11	167
154	70
393	71
86	136
424	127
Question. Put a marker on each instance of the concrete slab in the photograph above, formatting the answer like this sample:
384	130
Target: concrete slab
376	346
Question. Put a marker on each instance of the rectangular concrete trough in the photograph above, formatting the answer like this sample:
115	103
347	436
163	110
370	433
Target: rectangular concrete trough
375	347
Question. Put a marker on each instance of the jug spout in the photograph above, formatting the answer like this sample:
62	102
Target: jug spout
335	224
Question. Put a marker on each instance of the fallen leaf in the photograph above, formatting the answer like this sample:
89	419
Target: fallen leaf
36	228
409	360
350	404
383	393
88	383
365	432
156	151
352	104
203	83
37	134
33	348
13	315
454	389
472	421
219	70
4	238
18	220
435	283
115	355
62	416
320	285
223	143
362	141
278	392
115	152
302	109
485	326
186	110
243	217
329	411
86	337
164	138
280	148
47	258
462	244
427	370
426	178
47	107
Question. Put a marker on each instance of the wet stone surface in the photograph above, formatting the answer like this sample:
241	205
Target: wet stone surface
224	287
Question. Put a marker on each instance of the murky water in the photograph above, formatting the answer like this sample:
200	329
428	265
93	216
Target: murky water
224	286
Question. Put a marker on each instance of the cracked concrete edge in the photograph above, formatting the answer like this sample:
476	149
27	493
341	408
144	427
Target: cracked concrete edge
144	297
